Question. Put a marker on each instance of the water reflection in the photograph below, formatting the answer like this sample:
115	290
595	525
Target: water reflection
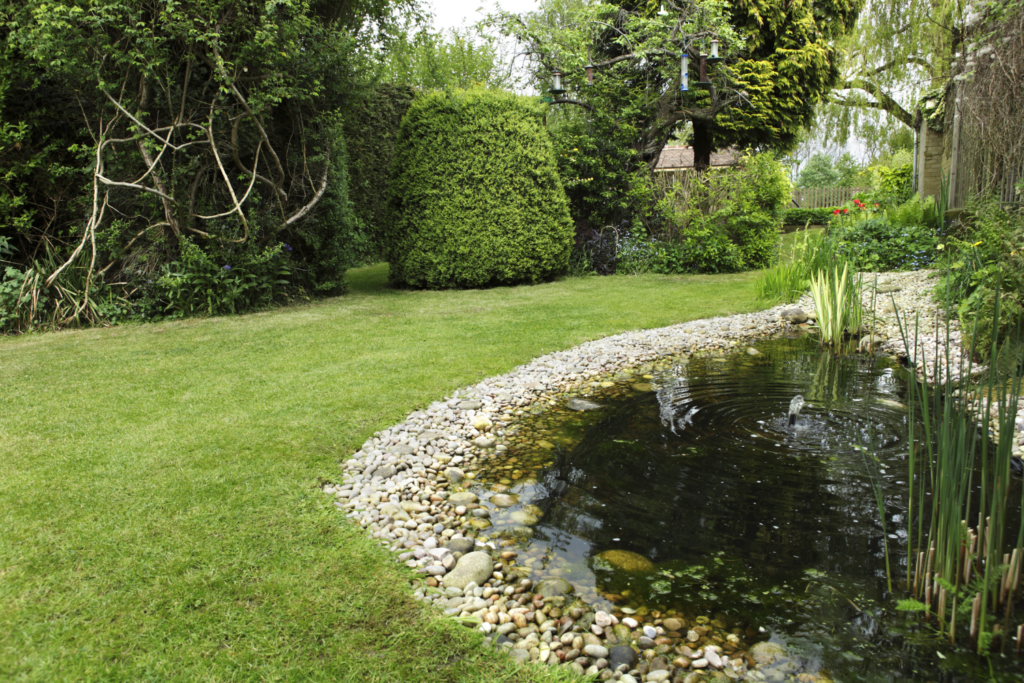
735	510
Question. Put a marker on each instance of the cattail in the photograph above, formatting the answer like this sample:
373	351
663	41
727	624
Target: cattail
942	606
1020	638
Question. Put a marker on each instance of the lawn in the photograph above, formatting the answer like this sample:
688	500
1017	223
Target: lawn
160	517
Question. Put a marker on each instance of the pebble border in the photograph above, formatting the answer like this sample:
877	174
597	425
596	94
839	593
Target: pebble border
403	485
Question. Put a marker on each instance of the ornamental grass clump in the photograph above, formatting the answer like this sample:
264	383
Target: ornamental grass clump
963	572
837	303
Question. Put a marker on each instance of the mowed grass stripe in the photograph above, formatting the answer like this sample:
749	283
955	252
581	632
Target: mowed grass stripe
160	518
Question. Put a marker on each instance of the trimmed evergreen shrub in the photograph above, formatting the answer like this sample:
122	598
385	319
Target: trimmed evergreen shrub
475	195
371	133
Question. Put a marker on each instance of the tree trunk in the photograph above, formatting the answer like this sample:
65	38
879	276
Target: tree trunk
702	147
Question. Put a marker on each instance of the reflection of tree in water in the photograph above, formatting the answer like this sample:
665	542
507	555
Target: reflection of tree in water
712	486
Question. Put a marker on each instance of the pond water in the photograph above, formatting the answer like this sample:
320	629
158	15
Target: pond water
688	493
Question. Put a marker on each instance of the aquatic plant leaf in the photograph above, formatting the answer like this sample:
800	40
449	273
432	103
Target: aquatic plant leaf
910	605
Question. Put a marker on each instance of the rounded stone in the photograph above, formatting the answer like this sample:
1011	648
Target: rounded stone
462	498
504	500
622	654
672	624
596	651
524	517
554	588
627	560
766	653
475	567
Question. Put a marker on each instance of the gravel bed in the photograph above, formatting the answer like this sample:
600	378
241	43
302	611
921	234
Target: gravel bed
406	486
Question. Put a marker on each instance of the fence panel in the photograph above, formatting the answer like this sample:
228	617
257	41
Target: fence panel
821	197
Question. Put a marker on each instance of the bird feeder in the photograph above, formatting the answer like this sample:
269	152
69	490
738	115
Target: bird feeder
662	12
714	58
556	83
703	82
590	74
684	73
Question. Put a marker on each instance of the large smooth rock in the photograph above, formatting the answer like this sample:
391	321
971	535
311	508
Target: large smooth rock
794	315
483	442
627	561
475	567
581	404
462	498
622	654
524	517
471	405
461	545
766	653
394	510
504	500
553	588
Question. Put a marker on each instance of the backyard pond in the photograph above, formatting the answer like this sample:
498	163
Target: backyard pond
682	490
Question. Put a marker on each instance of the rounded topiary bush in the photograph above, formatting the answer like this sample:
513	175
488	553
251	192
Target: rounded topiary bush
475	197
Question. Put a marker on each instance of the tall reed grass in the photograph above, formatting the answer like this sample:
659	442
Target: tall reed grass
791	274
962	571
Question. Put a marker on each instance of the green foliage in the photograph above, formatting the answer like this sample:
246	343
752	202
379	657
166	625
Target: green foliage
795	216
791	274
779	61
371	133
878	244
851	172
782	283
910	605
130	126
475	195
819	172
892	185
986	257
837	303
725	221
439	60
200	285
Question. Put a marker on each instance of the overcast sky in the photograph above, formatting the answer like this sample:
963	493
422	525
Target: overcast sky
456	13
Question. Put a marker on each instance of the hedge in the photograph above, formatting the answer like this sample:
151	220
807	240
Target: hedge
371	133
476	199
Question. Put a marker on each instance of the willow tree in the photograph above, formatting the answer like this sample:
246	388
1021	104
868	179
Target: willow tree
780	59
897	51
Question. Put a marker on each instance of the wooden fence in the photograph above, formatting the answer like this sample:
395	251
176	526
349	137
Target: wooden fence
821	197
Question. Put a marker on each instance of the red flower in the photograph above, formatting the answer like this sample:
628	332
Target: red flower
836	212
846	211
876	205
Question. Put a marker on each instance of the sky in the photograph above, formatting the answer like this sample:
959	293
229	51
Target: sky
456	13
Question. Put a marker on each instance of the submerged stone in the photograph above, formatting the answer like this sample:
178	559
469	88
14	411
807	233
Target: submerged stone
554	588
627	560
581	404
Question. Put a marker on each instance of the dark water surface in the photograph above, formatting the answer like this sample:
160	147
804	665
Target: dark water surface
724	509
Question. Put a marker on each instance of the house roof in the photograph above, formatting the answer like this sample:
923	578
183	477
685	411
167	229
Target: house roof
682	157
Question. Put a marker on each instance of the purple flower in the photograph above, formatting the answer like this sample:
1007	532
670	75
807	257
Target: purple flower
287	247
227	267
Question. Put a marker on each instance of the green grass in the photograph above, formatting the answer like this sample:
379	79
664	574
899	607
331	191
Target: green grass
160	518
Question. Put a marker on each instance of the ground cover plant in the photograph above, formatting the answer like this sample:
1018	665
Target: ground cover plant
161	519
